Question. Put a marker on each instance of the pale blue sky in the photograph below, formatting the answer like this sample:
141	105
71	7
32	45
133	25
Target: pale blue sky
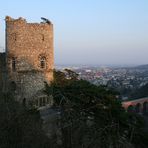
89	31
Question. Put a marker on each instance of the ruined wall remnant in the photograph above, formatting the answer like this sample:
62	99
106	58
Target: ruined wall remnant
29	57
2	71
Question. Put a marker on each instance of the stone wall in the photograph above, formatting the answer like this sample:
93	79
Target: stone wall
2	71
29	56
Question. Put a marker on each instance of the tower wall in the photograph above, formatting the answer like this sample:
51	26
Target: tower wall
29	56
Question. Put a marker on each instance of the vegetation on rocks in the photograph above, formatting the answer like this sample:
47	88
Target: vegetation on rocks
20	127
92	116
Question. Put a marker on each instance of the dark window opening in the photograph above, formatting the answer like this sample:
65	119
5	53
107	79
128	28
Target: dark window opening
42	37
13	86
43	62
15	36
13	64
24	102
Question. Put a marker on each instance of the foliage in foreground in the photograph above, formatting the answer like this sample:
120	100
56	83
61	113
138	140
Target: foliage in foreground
92	116
20	127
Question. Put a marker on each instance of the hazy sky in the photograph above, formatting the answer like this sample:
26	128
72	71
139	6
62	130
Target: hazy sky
88	31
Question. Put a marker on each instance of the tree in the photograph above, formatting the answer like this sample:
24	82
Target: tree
92	116
139	93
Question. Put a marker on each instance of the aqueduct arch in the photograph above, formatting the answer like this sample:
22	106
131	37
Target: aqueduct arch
138	106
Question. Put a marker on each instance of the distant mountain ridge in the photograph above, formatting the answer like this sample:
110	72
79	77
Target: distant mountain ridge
142	66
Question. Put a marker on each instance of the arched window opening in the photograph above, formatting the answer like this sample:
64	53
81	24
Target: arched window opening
13	64
43	62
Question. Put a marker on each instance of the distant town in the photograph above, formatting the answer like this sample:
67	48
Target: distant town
123	79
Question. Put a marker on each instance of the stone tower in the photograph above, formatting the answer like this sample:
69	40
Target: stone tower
29	59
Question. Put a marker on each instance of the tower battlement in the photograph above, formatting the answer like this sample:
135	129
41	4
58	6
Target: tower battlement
8	18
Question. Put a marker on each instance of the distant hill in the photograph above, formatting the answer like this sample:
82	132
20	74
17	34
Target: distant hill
142	66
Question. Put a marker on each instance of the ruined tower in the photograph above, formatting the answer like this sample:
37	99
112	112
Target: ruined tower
29	59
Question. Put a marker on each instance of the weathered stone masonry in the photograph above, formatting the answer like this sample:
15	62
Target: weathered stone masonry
29	58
